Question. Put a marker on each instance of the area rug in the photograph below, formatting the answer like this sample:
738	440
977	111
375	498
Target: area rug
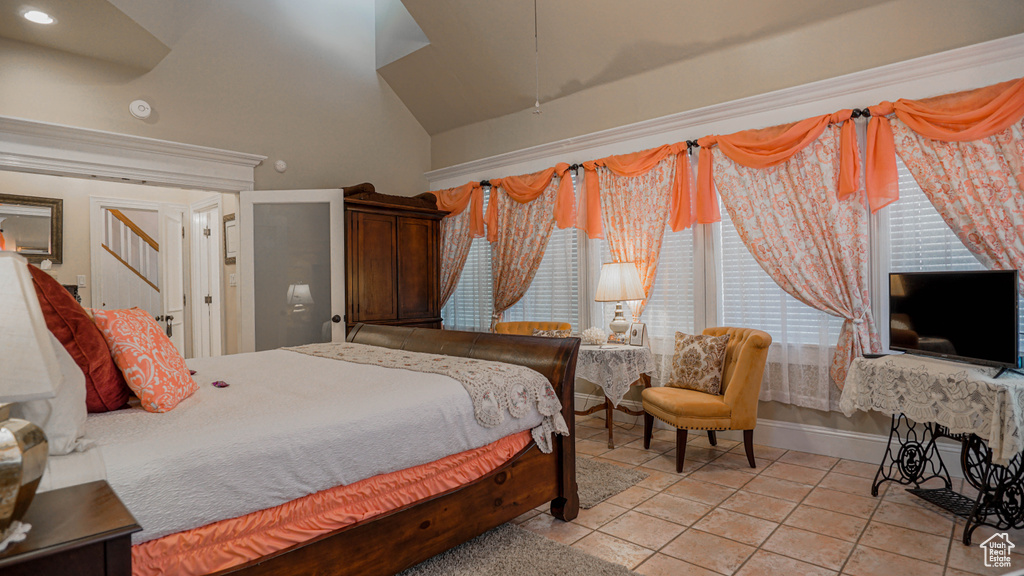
509	550
599	481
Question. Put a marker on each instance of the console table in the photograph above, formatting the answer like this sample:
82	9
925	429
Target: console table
615	368
930	399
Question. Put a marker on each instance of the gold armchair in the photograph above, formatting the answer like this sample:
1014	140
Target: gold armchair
734	409
527	328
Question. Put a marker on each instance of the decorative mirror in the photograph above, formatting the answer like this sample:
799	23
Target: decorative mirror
33	227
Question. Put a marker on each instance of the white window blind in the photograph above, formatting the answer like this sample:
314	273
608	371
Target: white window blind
470	306
554	294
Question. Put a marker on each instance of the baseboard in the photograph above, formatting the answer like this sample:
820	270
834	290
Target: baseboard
857	446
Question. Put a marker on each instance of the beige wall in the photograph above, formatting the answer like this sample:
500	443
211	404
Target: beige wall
884	34
234	80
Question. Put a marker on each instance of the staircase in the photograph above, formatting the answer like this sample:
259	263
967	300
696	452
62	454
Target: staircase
130	265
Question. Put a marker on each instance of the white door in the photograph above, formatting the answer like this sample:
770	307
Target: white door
292	265
172	274
206	275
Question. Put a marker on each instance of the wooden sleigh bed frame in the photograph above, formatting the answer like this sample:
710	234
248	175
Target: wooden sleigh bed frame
392	542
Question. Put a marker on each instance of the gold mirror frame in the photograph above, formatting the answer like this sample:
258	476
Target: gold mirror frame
56	206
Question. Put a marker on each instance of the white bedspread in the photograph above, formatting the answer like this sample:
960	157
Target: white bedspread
287	426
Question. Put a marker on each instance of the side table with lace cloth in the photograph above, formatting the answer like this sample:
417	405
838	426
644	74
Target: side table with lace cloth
614	368
929	398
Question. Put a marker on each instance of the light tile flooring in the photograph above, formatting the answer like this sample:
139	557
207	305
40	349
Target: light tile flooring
796	514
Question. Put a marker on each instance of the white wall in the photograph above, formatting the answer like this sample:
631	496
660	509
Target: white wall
295	81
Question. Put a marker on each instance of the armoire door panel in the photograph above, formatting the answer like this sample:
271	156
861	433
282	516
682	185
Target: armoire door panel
377	281
417	285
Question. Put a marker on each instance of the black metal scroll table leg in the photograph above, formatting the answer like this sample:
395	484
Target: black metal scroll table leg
911	456
1000	500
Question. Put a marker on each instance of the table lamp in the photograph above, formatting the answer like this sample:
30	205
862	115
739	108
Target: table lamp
619	281
28	371
299	296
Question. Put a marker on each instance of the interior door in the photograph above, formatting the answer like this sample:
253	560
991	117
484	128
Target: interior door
292	265
172	274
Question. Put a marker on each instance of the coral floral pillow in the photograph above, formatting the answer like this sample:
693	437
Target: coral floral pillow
151	365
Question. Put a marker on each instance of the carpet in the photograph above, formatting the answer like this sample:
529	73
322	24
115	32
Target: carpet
599	481
509	550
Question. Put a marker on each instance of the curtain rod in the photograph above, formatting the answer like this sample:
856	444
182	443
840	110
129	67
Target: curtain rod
691	144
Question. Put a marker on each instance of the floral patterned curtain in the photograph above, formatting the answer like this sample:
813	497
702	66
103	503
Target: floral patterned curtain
522	236
456	240
812	244
977	187
634	211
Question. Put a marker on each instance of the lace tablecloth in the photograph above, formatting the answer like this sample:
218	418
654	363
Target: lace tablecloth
961	397
614	368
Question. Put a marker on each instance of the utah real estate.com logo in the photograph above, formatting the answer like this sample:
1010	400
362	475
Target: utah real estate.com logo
997	551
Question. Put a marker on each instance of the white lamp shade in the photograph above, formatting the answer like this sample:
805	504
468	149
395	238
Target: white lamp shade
299	294
29	365
619	281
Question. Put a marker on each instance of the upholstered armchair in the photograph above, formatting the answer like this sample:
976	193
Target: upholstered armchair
735	408
527	328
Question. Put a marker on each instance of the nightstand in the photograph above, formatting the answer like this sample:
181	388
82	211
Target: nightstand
81	530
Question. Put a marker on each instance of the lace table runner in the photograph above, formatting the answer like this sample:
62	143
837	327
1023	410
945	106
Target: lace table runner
961	397
614	368
496	388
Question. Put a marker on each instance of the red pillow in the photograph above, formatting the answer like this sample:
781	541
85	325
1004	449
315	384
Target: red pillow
105	388
154	368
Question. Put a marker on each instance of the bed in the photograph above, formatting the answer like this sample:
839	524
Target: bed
379	543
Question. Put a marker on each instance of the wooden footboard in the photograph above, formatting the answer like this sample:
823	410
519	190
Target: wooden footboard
392	542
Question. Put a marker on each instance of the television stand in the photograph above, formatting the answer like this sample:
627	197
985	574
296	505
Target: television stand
1004	369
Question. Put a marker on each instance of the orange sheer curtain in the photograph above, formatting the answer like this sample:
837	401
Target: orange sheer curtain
959	117
529	187
770	147
966	151
589	211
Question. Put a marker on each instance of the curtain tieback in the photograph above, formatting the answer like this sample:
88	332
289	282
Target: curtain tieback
858	320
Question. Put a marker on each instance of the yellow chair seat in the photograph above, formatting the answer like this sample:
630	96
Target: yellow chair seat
674	401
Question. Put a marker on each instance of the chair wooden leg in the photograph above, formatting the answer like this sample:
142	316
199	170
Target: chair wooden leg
748	445
711	438
648	430
680	448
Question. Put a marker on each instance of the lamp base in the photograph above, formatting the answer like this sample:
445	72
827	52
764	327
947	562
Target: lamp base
619	324
23	451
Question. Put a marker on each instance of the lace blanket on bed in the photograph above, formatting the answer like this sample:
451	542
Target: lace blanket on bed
496	388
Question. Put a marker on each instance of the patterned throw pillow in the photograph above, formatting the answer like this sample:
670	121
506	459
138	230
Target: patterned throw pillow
552	333
151	364
697	362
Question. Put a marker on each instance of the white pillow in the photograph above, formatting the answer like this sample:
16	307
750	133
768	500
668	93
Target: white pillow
62	417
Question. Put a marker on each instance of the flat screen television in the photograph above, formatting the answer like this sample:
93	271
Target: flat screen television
968	316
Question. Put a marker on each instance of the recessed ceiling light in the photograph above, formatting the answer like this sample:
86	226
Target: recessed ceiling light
38	17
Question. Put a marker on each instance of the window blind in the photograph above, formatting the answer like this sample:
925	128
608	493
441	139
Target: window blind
554	294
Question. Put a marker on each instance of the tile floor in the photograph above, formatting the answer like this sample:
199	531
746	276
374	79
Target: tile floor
796	514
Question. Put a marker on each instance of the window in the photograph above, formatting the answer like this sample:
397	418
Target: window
471	304
554	294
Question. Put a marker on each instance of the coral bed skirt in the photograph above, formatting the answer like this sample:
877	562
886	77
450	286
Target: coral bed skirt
240	540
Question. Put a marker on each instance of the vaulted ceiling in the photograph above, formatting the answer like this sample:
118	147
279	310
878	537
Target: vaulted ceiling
479	63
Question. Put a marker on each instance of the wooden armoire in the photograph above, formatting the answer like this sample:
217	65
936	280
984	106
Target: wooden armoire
392	259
